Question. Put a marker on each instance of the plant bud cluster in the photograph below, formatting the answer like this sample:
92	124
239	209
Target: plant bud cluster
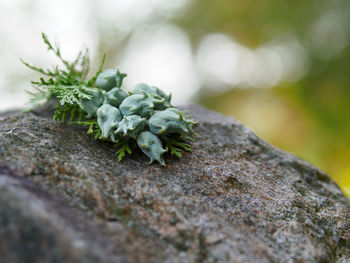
145	114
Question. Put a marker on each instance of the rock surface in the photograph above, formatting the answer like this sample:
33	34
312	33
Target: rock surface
65	198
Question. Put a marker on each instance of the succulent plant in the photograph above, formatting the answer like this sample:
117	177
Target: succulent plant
114	97
152	146
107	119
143	117
137	104
131	126
90	106
109	79
160	99
171	122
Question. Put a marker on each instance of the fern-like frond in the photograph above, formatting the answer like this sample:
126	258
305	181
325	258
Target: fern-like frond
71	94
40	70
71	111
176	147
38	97
94	129
71	67
68	85
124	147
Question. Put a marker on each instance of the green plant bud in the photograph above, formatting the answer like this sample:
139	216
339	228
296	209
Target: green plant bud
91	105
175	110
137	104
107	119
114	97
109	79
171	122
130	126
152	146
160	99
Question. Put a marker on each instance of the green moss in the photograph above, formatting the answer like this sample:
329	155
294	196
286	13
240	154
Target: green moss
119	213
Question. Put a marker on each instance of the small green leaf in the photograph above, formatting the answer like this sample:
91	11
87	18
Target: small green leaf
124	147
128	149
93	129
176	147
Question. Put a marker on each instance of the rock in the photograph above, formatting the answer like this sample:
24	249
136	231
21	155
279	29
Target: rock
64	197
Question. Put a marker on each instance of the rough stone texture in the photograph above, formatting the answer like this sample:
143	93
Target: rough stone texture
65	198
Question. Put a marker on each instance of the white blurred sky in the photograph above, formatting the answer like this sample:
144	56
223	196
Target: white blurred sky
156	51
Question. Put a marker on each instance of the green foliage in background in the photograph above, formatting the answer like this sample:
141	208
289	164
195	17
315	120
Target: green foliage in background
315	111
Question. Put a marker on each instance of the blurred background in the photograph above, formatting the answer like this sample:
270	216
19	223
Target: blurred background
282	67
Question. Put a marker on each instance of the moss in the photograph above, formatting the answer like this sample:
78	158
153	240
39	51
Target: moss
119	213
233	182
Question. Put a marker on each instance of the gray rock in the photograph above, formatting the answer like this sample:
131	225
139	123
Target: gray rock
64	197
